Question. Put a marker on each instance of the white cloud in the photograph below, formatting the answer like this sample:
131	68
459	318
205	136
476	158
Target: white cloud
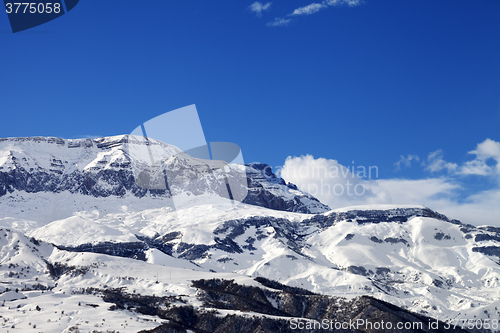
309	9
409	191
479	209
475	167
406	161
316	7
279	22
485	151
436	163
258	7
441	195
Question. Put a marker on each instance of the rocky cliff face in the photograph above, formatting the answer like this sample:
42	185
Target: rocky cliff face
265	189
95	167
362	216
113	166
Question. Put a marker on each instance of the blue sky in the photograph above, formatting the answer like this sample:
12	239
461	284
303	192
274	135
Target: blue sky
363	81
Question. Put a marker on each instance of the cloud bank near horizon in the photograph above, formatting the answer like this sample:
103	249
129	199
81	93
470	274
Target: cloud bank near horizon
444	190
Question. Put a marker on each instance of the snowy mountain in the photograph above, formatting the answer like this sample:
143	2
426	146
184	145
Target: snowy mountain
72	249
113	166
89	292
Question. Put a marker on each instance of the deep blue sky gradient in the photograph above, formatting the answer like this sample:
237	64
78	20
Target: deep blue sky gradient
364	84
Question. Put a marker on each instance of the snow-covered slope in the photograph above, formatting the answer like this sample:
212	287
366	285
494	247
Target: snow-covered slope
412	257
91	292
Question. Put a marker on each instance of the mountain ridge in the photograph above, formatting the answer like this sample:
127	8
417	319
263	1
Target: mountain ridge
109	167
